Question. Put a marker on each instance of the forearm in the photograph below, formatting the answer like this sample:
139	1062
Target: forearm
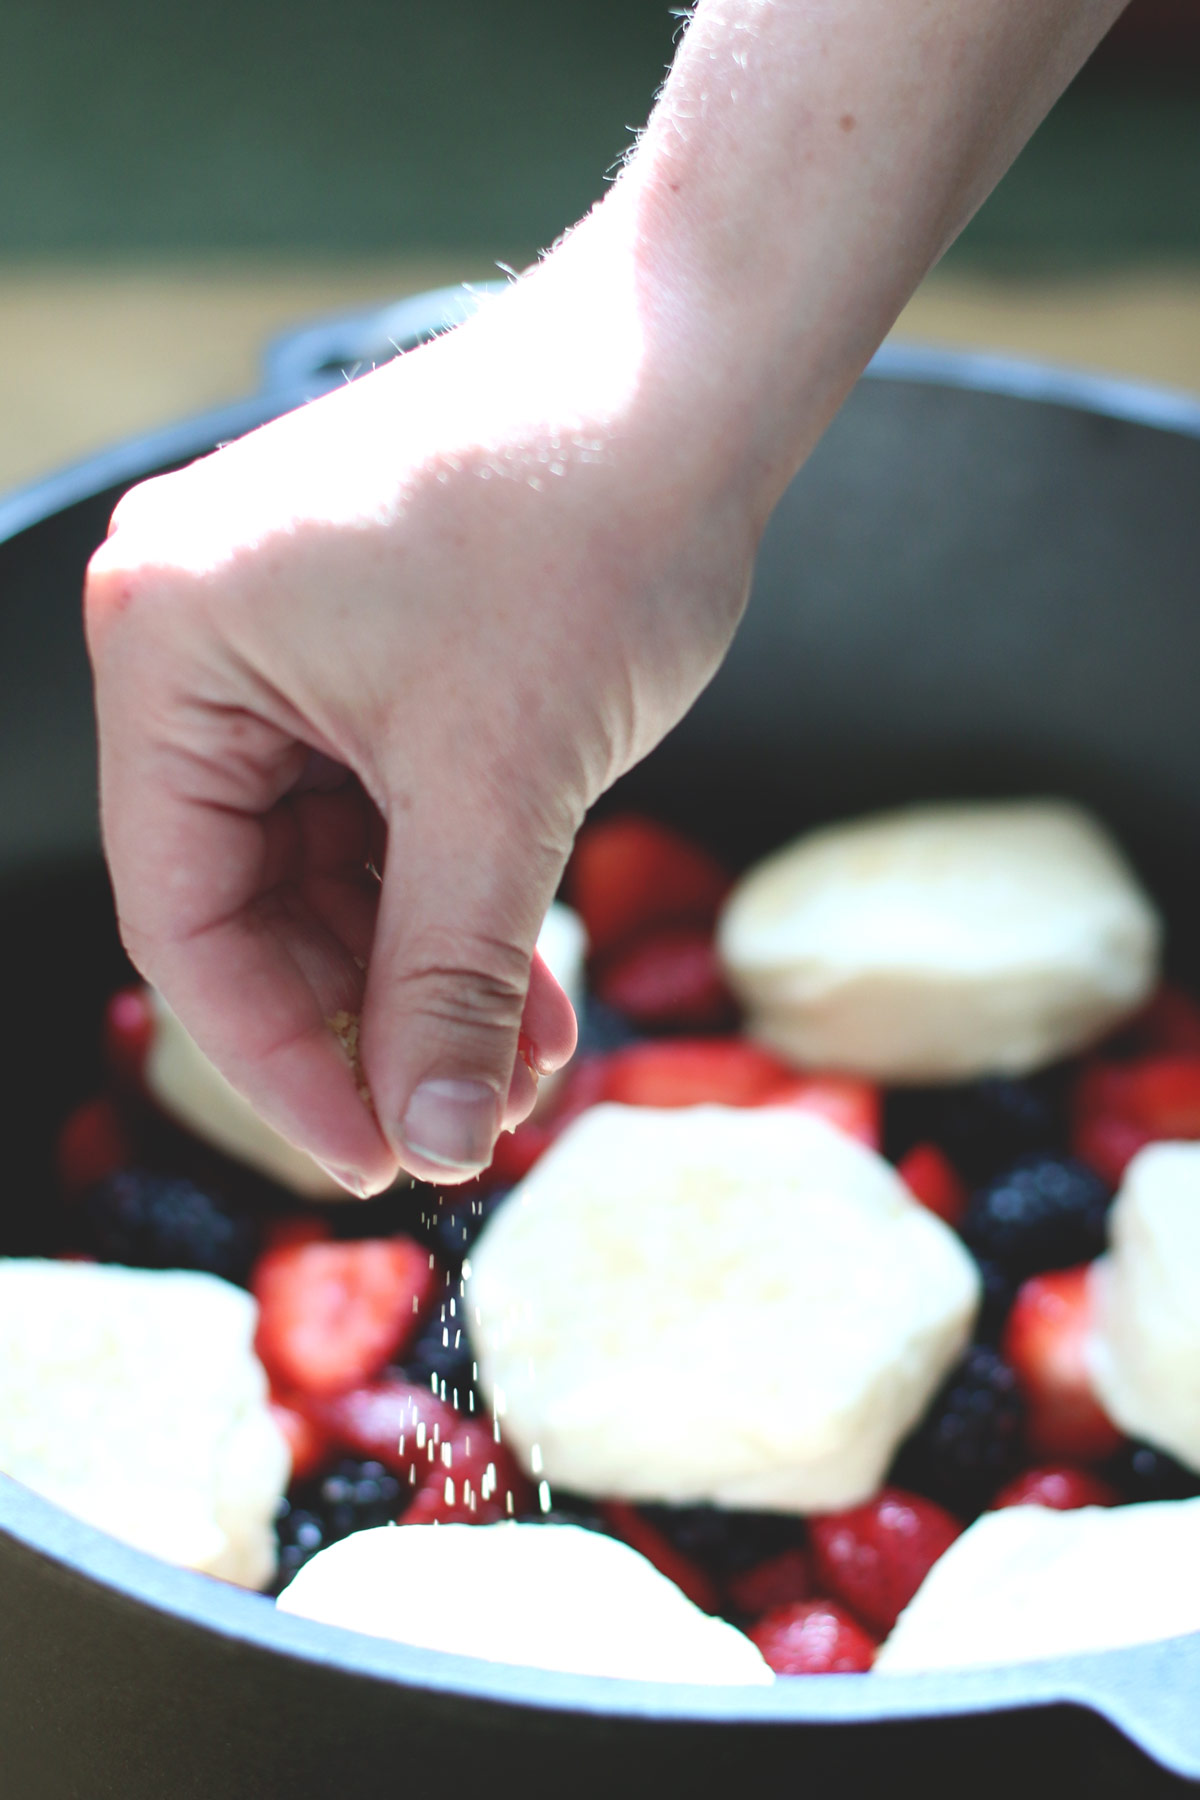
807	163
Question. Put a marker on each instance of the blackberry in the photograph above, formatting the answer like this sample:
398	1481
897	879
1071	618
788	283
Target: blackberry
1144	1473
1045	1212
448	1222
981	1125
602	1029
725	1543
153	1221
999	1292
971	1439
353	1496
442	1358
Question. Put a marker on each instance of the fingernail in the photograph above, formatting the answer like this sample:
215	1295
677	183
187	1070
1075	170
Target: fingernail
453	1123
347	1178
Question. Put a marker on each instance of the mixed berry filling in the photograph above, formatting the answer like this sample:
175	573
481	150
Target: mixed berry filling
361	1323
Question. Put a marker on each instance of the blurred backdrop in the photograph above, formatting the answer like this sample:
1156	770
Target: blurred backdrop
180	181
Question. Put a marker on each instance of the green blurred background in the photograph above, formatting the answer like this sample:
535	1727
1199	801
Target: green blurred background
371	125
180	181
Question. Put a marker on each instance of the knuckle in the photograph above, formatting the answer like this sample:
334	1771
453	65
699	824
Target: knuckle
477	987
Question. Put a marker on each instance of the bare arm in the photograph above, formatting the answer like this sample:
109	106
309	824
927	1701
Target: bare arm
427	621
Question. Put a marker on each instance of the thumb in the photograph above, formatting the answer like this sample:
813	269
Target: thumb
449	990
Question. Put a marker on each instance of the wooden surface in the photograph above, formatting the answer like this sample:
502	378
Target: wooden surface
91	353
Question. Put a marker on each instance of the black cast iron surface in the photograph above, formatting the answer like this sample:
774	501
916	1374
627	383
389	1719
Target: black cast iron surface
983	582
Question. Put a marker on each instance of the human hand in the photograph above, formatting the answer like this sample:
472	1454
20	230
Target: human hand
419	625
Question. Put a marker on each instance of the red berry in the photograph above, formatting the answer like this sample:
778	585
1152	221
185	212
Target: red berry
1108	1144
309	1447
813	1637
1045	1342
395	1422
781	1580
932	1179
128	1033
628	874
331	1315
667	979
472	1480
627	1523
693	1072
94	1142
874	1557
1164	1095
1168	1026
295	1228
1059	1486
854	1106
1119	1107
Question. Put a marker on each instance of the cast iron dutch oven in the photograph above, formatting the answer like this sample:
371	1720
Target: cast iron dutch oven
984	582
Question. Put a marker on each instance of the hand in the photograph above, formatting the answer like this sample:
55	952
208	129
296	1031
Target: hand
360	675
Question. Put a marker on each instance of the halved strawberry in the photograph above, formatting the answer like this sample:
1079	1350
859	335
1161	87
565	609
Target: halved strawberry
853	1105
693	1072
309	1447
1045	1342
781	1580
874	1557
632	1526
1059	1486
295	1228
395	1422
472	1480
1119	1107
667	979
128	1032
1108	1144
93	1142
1168	1026
331	1315
628	873
932	1179
813	1637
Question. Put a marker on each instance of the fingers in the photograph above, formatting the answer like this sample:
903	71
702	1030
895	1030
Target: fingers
453	976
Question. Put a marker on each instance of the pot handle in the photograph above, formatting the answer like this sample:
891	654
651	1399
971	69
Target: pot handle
330	351
1152	1696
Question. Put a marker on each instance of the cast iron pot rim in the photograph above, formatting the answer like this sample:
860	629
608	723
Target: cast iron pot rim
294	370
1148	1691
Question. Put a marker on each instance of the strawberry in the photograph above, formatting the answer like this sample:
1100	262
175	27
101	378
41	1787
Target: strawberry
667	979
781	1580
332	1314
1059	1486
874	1557
813	1637
1168	1026
854	1106
628	874
128	1033
1108	1144
627	1523
1045	1342
390	1421
94	1142
932	1179
473	1480
1118	1107
692	1072
295	1228
309	1447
